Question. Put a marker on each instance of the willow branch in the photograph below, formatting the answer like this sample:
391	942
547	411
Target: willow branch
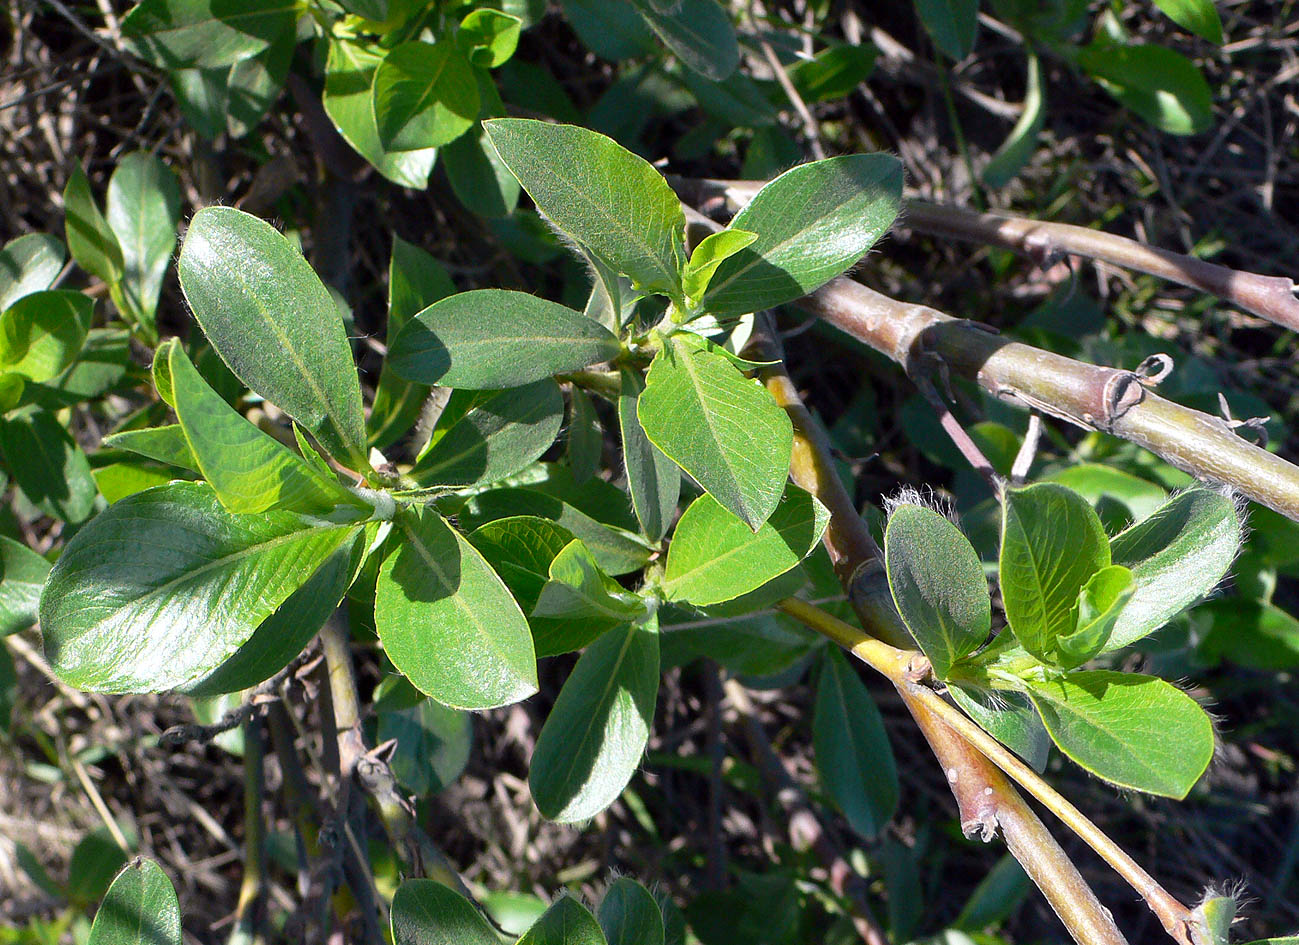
1094	398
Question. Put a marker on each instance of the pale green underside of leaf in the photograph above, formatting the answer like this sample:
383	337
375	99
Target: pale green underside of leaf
140	908
164	444
163	587
493	338
448	622
1135	731
723	429
595	735
274	324
715	557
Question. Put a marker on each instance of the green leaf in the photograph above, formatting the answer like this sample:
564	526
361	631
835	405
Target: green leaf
96	860
448	622
1020	144
140	908
578	603
1051	544
715	557
254	84
833	73
493	338
143	212
425	912
164	586
612	30
938	585
249	470
22	575
600	194
813	222
629	915
489	37
165	444
653	479
90	239
479	178
738	100
711	252
282	636
724	430
203	96
425	96
567	922
28	264
502	433
951	24
1134	731
42	333
1009	718
118	480
585	445
520	549
698	31
180	34
433	744
1099	606
275	325
48	465
852	751
997	897
1118	496
1162	86
1177	555
1199	16
349	79
1260	636
596	733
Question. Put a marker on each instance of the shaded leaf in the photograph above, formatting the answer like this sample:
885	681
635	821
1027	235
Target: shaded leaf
425	96
48	465
425	912
180	34
140	908
653	479
22	575
28	264
698	31
520	549
42	333
1162	86
90	239
629	915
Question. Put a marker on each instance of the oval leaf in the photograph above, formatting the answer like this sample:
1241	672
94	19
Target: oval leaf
425	912
140	908
1135	731
162	588
43	332
629	915
596	733
723	429
698	31
1162	86
275	325
204	34
938	585
425	96
28	264
48	465
567	922
578	603
22	575
90	239
520	549
448	622
143	210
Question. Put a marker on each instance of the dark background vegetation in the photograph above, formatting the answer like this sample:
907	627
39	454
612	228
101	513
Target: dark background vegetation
1232	193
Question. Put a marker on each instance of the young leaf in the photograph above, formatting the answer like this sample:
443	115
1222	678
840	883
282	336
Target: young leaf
578	603
143	211
715	557
567	922
852	751
140	908
1177	555
629	915
502	433
28	264
520	549
1162	86
599	193
425	95
585	437
489	37
653	479
698	31
724	430
425	912
275	325
90	239
164	586
494	338
22	575
48	465
1135	731
349	79
204	34
938	585
42	333
1199	16
1052	543
1009	718
1099	605
448	622
249	470
951	24
165	444
813	222
595	735
711	252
